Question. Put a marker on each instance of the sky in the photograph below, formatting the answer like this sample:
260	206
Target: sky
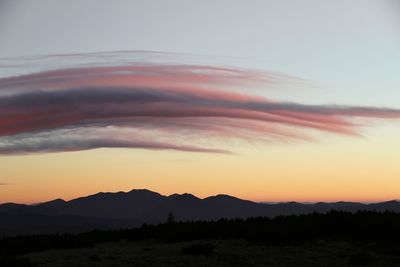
264	100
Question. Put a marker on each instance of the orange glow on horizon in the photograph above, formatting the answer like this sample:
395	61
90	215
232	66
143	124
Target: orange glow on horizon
301	171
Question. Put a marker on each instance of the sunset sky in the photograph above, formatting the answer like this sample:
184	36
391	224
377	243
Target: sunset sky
263	100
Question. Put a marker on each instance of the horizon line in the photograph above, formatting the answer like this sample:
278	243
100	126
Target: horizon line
272	202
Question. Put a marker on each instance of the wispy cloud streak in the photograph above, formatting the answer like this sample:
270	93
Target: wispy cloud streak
157	106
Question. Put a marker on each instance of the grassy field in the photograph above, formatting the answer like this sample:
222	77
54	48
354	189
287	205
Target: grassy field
219	253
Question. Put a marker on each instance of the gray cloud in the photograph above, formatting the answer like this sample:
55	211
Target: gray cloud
86	138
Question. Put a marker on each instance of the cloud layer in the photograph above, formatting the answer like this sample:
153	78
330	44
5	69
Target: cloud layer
158	106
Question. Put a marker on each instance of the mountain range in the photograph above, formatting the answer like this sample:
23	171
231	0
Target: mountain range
139	206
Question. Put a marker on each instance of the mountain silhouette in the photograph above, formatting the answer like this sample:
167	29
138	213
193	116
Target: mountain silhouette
133	208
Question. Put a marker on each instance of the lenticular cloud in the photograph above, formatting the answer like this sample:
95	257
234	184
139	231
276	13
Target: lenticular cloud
115	102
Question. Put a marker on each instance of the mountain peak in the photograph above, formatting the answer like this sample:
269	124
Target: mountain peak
182	196
390	202
53	202
142	191
224	196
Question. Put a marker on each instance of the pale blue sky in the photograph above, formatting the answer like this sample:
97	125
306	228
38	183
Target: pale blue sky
350	48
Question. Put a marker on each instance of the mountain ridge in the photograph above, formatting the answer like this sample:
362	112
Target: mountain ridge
110	210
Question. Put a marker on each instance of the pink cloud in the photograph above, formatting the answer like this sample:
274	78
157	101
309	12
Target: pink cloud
179	105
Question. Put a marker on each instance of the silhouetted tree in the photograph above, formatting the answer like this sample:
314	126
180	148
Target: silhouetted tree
171	218
363	226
